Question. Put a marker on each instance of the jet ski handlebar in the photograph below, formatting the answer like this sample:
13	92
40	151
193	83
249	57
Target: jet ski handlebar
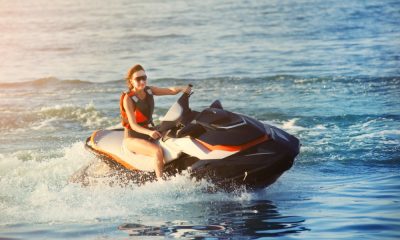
176	113
191	92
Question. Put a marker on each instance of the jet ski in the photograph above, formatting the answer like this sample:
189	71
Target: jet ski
227	148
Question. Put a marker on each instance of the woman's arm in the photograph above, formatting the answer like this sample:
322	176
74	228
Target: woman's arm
129	107
170	91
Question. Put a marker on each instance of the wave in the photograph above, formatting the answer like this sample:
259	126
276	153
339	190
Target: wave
55	117
54	49
154	37
298	80
284	83
294	78
87	115
43	82
348	139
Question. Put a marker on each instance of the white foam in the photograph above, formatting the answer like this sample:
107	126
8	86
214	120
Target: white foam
291	125
31	183
37	190
48	124
320	127
87	115
393	133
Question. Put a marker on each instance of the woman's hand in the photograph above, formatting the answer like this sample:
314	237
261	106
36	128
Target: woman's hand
155	135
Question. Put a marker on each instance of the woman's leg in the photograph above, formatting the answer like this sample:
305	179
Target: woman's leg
147	148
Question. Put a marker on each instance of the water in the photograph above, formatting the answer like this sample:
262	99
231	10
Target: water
326	71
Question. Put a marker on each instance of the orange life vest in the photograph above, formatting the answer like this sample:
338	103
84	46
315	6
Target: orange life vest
143	108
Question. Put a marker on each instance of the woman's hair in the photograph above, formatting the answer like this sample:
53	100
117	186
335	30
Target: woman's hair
130	72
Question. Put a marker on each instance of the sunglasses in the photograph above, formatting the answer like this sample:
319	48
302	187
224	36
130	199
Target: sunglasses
141	78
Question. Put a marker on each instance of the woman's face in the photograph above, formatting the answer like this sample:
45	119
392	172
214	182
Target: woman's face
138	80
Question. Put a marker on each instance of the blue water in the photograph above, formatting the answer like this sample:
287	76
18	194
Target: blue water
327	72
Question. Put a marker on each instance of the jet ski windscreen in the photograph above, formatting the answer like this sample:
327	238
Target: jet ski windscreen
173	113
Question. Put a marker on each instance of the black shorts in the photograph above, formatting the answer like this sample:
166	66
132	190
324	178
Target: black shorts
135	134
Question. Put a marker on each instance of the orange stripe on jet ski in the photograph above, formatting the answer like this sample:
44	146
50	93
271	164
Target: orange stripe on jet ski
234	148
110	155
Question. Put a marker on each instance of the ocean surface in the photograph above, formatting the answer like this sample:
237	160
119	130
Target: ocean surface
325	71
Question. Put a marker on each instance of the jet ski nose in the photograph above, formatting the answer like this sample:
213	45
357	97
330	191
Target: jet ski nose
290	142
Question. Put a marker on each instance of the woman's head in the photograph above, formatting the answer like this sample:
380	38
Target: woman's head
136	77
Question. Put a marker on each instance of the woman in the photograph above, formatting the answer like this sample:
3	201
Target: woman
137	107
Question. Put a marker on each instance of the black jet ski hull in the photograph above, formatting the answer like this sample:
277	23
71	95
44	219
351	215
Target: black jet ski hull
256	167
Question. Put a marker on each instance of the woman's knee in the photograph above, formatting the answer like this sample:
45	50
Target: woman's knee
157	151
